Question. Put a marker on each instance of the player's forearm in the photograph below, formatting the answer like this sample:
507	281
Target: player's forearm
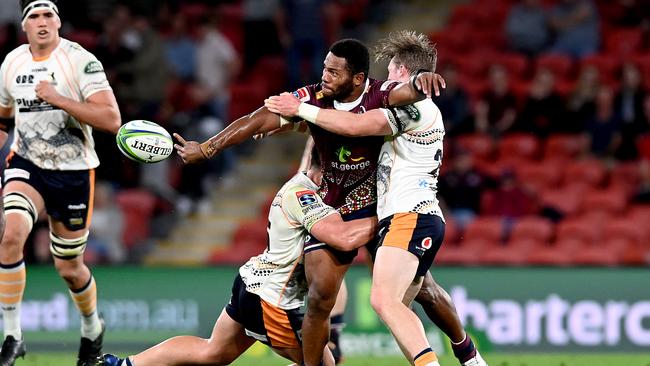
242	129
404	94
371	123
354	234
105	117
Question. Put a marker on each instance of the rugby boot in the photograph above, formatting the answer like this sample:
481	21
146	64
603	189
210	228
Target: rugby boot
477	360
90	352
11	350
112	360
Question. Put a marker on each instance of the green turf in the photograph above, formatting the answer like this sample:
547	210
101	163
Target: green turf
59	359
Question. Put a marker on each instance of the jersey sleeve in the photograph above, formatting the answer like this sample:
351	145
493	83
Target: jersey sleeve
304	205
6	100
92	78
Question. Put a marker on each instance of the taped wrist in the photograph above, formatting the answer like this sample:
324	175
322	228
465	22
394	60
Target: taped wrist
308	112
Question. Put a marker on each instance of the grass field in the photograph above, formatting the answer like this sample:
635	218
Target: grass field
60	359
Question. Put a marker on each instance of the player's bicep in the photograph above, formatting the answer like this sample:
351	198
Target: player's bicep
404	94
104	97
374	123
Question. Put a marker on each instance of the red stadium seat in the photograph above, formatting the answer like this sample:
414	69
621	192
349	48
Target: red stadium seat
643	144
559	253
137	206
518	146
623	42
538	176
245	99
635	255
513	253
580	229
237	253
515	63
563	146
465	252
612	201
626	175
479	145
533	227
590	172
565	200
623	228
607	65
559	65
452	231
249	231
487	228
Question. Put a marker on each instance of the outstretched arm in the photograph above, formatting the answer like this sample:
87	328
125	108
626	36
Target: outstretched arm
418	87
344	235
260	121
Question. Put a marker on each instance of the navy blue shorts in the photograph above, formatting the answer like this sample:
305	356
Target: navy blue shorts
68	194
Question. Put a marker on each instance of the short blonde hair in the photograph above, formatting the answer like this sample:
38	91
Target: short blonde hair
409	48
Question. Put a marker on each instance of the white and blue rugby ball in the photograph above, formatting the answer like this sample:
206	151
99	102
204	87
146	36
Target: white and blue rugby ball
144	141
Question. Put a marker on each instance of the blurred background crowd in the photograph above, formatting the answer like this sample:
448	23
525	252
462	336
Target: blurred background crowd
547	113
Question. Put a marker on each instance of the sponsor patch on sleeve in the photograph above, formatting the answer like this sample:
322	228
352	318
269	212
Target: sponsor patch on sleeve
93	67
306	198
302	94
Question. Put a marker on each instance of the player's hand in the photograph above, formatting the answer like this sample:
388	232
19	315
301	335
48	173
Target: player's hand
189	151
285	104
46	91
430	81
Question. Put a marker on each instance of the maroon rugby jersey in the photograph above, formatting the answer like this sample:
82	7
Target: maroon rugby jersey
349	164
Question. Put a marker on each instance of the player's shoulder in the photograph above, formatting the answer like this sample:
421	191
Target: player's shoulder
299	188
80	56
20	51
309	93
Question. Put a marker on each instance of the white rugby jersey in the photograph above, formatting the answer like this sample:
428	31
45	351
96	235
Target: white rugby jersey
277	275
46	135
410	159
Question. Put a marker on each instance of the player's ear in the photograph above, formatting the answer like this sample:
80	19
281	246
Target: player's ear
358	78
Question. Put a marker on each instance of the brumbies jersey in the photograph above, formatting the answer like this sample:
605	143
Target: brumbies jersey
44	134
277	275
409	163
349	164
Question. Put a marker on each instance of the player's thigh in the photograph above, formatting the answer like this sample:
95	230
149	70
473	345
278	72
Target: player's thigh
324	274
229	337
393	272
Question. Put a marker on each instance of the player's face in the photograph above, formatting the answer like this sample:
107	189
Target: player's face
42	28
337	81
397	72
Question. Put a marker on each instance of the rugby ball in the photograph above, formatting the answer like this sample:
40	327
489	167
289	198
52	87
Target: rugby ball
144	141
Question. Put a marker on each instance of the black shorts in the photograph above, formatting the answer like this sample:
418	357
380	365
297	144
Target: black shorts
262	321
417	233
344	257
68	194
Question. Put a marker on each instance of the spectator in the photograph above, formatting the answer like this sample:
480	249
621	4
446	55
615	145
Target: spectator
628	107
453	103
460	189
642	194
527	27
261	31
575	23
543	111
217	65
304	39
581	101
180	49
496	112
603	126
107	226
508	200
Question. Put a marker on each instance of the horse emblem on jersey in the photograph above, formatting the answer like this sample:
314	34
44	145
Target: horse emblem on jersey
344	153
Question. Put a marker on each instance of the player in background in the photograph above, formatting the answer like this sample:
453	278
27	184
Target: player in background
57	93
269	290
411	225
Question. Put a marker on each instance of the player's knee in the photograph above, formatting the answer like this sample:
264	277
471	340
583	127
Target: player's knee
432	294
70	273
321	302
218	356
13	239
63	248
379	301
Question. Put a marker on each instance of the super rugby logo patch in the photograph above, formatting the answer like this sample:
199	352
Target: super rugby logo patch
306	198
302	94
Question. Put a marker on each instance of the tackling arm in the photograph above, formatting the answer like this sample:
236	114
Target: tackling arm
344	235
416	89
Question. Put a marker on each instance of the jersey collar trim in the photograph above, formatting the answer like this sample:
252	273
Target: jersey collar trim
347	106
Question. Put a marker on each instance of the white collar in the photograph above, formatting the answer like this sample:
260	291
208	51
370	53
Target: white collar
347	106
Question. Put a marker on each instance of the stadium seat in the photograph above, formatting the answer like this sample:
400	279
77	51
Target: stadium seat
465	252
533	227
481	146
452	231
518	146
579	228
563	146
515	63
513	253
565	200
622	228
560	65
245	98
607	65
623	42
248	231
612	200
558	253
537	176
626	175
237	254
489	228
643	145
590	172
635	255
137	206
271	71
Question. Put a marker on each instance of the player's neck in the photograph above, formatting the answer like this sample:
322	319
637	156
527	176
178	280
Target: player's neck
42	52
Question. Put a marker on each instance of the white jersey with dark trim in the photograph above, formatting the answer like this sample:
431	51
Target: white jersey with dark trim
44	134
410	160
277	275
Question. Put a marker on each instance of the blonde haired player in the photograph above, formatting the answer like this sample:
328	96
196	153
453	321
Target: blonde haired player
269	290
57	93
411	225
